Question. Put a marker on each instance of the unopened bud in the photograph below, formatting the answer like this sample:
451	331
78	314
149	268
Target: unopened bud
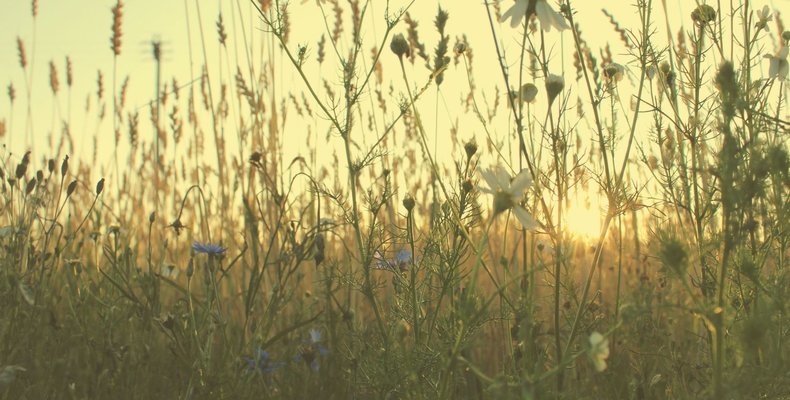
408	203
64	167
400	46
460	48
31	184
554	85
100	186
72	187
471	148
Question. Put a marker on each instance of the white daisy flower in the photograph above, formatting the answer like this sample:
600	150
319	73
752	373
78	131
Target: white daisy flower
525	8
508	192
763	18
778	66
599	351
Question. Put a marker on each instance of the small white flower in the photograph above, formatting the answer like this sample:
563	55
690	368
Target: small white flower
763	18
599	351
548	17
8	374
525	8
508	192
778	66
315	335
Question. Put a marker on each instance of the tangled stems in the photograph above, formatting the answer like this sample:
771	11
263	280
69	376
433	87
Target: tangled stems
612	191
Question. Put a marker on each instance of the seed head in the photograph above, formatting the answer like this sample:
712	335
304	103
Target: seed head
614	72
703	15
31	184
21	169
400	46
117	21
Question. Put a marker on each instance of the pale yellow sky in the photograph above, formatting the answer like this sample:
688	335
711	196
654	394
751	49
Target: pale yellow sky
80	29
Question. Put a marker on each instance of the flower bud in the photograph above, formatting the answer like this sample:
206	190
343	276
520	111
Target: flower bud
408	203
21	169
31	184
529	92
64	167
467	186
554	85
100	186
460	48
400	46
471	148
72	187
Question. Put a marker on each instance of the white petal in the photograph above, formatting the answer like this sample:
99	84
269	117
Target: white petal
548	17
502	177
595	338
600	364
521	183
773	68
516	12
526	220
485	190
490	176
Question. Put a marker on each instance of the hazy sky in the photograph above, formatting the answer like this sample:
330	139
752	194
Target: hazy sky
80	29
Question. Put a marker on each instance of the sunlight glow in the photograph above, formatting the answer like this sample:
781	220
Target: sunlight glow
583	217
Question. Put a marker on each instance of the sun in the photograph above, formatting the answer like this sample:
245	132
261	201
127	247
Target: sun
583	217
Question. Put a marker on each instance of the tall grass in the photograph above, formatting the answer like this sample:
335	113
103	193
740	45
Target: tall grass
399	255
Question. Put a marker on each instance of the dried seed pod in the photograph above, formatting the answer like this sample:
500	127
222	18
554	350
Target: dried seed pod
72	187
21	168
31	184
64	167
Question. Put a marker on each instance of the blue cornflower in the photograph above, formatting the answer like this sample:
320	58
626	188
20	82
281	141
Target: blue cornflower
208	248
401	262
262	363
309	353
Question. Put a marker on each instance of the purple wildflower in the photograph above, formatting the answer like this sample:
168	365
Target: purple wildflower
208	248
401	262
262	363
310	352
